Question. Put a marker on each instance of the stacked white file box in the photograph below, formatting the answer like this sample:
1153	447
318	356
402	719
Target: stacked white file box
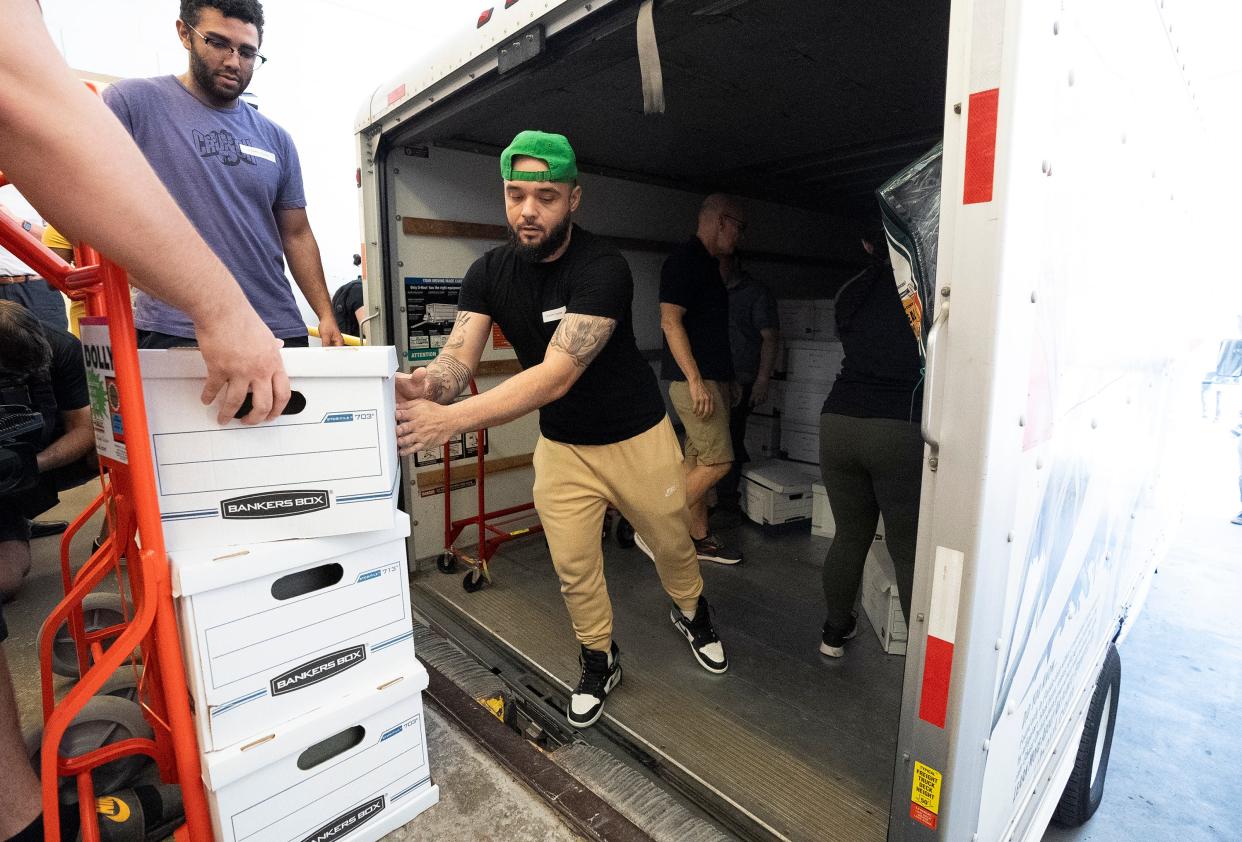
289	567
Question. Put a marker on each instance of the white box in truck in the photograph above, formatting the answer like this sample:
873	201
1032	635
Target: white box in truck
1069	193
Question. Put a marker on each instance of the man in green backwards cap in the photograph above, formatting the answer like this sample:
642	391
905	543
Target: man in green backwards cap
563	298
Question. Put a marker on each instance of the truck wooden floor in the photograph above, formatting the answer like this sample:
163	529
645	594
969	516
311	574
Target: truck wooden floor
800	744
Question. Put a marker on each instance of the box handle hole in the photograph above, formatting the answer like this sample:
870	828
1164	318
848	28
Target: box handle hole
305	581
297	403
335	745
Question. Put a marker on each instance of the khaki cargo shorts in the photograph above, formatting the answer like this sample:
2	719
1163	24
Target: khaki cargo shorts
707	439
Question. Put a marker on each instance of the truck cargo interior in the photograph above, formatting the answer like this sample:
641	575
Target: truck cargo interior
802	108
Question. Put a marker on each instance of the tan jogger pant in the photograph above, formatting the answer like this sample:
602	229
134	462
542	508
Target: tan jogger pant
642	477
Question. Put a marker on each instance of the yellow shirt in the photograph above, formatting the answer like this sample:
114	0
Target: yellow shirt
54	240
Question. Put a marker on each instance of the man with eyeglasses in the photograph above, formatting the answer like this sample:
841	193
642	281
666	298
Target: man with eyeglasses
232	170
694	315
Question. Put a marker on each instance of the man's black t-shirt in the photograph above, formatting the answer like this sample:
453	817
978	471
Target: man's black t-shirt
62	387
68	370
617	396
691	279
882	373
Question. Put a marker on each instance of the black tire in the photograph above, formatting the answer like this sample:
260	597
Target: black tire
447	562
102	721
1085	789
475	581
99	611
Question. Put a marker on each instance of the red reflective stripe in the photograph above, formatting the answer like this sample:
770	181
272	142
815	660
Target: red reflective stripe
980	147
396	93
937	670
484	17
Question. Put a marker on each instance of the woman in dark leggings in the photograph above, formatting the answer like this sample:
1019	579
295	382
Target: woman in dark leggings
870	446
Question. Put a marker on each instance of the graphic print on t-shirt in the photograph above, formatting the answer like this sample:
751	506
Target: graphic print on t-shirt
223	144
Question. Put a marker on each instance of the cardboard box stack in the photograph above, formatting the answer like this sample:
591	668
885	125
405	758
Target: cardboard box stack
810	360
289	566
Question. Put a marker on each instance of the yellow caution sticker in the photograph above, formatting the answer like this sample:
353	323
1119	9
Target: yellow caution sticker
113	809
495	704
925	795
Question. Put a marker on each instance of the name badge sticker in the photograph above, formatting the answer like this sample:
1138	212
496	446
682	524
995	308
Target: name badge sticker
553	315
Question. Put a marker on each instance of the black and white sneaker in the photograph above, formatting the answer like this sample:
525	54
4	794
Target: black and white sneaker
833	642
601	672
706	646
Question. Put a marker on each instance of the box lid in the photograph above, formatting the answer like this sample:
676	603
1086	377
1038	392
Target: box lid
207	568
781	476
371	361
227	766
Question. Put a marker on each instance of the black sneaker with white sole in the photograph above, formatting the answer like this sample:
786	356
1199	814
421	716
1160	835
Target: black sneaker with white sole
711	548
706	646
601	672
833	642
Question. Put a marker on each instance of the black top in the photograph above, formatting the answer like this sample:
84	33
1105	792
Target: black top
617	397
882	374
62	387
691	279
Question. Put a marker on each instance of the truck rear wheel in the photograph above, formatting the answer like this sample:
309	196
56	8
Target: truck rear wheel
1085	789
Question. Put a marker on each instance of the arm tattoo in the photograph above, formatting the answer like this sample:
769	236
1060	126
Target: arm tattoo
457	337
446	378
582	337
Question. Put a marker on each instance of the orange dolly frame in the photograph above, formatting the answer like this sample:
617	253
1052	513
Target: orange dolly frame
151	623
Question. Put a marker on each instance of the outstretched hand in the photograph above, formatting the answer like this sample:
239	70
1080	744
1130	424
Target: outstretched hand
422	424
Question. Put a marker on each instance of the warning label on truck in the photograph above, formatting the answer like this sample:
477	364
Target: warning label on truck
430	310
925	795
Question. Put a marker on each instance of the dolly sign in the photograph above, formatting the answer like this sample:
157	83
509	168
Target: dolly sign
101	386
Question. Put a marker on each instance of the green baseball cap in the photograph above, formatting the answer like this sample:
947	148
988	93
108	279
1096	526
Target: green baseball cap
553	149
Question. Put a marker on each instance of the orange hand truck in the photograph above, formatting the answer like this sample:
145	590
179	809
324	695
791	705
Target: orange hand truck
494	529
149	623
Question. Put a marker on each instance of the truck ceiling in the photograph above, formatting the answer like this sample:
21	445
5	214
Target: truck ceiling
817	102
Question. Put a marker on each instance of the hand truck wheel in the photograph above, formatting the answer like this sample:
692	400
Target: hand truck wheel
447	562
99	611
475	580
123	683
102	721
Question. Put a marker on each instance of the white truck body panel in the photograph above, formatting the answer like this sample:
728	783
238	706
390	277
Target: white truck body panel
1049	489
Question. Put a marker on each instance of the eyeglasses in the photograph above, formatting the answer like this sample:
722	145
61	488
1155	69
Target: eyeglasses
223	49
741	225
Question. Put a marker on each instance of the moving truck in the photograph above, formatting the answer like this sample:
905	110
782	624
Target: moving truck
1068	202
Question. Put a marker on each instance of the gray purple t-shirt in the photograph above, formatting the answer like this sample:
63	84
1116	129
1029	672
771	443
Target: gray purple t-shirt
230	170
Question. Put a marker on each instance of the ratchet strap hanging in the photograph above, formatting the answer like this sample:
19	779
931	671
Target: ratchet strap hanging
649	60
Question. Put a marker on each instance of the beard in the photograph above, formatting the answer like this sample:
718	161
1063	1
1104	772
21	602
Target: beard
541	251
206	80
